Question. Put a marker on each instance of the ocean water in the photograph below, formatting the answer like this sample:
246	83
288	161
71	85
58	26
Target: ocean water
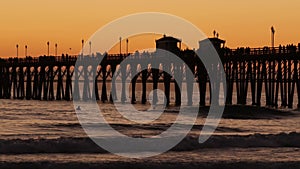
47	134
21	119
36	133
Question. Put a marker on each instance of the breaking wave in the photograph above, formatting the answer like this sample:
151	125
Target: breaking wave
86	145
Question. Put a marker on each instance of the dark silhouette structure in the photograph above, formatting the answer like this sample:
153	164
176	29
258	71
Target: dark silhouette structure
172	45
249	72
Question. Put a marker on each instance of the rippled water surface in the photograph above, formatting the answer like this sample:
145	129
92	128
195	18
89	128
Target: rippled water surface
38	131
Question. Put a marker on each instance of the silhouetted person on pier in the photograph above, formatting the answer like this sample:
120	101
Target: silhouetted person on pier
280	48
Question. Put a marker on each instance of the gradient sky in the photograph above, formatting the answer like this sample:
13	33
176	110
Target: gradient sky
66	22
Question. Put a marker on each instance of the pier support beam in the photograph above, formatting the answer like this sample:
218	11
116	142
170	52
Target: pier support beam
28	84
76	93
167	81
21	87
178	83
51	85
190	84
41	82
202	81
133	82
113	93
60	87
35	93
123	68
104	89
144	83
86	95
95	91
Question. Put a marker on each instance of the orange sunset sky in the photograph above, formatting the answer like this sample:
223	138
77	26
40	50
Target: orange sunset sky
66	22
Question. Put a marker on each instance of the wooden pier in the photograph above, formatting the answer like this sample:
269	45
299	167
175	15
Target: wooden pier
249	73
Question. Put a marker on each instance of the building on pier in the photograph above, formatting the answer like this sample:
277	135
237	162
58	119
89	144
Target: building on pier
169	43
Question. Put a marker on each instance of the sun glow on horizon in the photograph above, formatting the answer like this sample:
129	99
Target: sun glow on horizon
240	23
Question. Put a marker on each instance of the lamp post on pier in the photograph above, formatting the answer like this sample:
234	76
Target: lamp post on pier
127	41
17	46
273	37
48	44
25	50
56	49
90	43
82	43
120	45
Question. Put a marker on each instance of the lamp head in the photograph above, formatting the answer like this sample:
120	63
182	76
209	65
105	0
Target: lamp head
272	29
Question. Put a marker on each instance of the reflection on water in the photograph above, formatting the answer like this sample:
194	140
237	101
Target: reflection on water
35	119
